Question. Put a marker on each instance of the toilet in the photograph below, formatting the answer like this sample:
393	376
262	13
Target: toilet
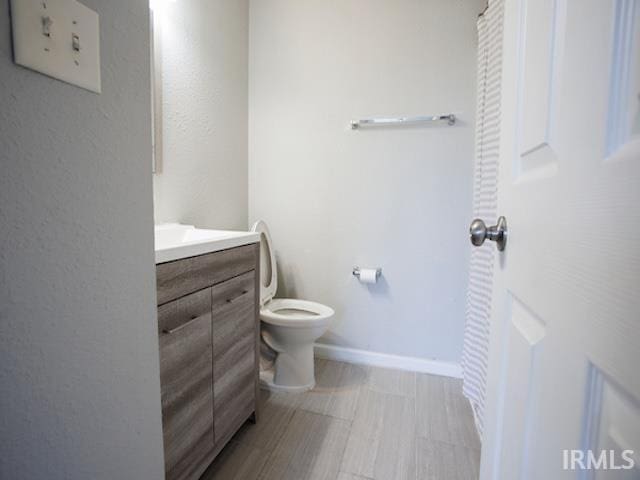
288	326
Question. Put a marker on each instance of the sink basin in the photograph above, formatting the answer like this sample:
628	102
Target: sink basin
174	241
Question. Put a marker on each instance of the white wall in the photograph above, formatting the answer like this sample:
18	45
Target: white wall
79	371
395	198
203	176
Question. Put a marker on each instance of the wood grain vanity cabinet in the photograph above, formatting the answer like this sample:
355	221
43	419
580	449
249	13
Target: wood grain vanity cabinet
208	329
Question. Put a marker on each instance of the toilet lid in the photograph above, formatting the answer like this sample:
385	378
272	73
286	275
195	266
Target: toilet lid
268	271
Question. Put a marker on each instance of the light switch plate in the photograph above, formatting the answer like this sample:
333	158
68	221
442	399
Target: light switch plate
69	25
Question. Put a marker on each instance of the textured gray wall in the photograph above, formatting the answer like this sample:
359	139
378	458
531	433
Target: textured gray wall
203	176
399	198
78	347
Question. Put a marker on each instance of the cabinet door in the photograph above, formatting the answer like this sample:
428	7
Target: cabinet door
186	379
234	353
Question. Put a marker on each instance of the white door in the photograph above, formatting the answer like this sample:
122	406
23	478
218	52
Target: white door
564	369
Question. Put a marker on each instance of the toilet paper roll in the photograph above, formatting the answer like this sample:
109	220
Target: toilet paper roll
368	275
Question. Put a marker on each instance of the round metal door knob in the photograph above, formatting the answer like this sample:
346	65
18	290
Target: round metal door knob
479	232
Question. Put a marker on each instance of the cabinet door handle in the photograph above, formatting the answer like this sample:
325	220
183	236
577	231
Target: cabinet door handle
244	292
169	331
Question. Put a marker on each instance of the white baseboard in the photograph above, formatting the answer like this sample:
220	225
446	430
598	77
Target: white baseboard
364	357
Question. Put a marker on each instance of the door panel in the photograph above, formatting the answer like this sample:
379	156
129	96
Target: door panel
624	108
612	422
186	380
234	350
524	343
539	71
564	355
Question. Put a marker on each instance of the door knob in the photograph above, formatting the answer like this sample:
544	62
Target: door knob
479	232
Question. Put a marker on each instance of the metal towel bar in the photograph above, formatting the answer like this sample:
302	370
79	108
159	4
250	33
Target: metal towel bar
450	118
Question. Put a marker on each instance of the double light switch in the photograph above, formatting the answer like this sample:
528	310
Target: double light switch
60	38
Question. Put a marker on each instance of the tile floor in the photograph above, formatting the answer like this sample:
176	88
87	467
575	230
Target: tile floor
359	423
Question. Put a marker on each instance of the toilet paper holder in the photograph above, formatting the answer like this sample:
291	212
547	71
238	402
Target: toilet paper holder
356	272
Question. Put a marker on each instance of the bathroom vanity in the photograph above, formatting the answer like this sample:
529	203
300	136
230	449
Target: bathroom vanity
208	329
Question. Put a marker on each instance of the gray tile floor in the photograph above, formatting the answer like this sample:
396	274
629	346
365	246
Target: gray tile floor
359	423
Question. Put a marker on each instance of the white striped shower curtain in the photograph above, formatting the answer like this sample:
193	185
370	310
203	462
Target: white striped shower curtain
485	196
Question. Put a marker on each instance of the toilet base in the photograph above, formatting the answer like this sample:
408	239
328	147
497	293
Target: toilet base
267	383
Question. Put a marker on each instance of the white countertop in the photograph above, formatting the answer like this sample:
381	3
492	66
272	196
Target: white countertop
174	241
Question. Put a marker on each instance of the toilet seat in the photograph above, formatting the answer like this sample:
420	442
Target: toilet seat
285	312
290	312
268	268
